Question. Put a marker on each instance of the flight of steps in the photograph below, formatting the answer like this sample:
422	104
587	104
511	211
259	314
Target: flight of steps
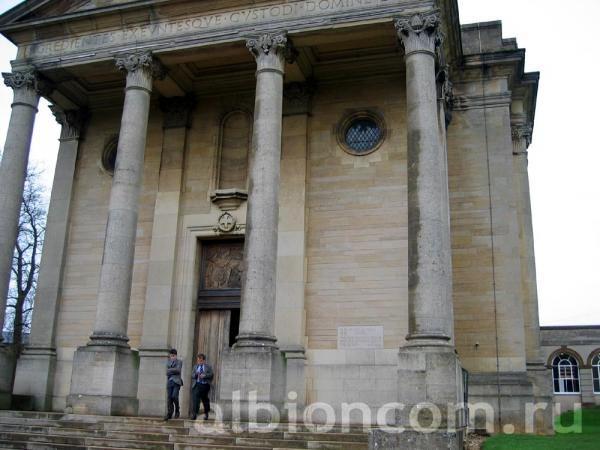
58	431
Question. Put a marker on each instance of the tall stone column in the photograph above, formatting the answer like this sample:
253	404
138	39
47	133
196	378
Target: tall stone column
25	86
107	358
429	373
35	367
156	327
290	324
537	372
255	364
26	92
521	135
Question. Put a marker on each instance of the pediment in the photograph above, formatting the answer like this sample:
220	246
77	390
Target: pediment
38	10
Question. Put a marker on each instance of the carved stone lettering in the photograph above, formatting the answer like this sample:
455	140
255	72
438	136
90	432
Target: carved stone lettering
192	26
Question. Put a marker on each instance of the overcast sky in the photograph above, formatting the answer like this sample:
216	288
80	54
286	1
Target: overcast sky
563	158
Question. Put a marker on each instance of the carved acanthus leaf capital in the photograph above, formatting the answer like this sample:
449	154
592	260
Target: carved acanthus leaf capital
18	80
72	121
521	135
274	47
27	79
419	32
141	67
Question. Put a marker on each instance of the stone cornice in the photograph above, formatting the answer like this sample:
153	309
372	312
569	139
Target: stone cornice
9	18
419	32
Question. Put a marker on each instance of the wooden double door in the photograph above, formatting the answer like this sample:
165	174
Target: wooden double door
218	317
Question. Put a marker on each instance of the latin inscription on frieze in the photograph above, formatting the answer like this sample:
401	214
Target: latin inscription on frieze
192	26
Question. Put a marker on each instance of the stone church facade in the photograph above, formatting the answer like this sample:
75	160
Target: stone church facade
327	197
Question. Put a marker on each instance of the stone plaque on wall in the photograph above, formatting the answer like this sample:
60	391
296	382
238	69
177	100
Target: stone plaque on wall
357	337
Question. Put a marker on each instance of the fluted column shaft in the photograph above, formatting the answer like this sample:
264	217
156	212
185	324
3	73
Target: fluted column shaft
117	260
260	252
13	170
429	251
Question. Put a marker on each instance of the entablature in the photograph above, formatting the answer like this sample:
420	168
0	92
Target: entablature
74	43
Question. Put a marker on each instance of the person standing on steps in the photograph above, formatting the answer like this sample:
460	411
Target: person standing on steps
174	383
202	375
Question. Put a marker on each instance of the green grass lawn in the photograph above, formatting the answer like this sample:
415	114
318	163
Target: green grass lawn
587	439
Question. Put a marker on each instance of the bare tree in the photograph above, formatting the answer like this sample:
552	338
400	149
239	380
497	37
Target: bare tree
26	259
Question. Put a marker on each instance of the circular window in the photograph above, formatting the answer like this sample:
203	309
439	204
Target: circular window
361	133
109	155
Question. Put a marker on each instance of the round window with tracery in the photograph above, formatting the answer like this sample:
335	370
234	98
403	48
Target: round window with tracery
361	133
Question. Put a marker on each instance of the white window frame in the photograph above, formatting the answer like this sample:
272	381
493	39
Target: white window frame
596	373
567	364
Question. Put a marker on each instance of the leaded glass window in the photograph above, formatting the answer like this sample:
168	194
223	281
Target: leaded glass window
363	135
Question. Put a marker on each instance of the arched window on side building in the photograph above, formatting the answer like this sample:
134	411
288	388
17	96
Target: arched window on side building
596	373
565	374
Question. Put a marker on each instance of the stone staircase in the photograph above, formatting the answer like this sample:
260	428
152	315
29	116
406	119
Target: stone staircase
58	431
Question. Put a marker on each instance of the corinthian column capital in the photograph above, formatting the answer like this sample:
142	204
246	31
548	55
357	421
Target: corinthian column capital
72	122
141	69
16	80
419	32
521	135
27	86
271	50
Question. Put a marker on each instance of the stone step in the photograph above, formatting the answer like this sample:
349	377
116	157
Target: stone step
184	422
346	437
34	430
84	441
110	439
153	436
24	445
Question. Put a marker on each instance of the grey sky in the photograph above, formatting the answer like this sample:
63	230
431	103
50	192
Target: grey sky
563	158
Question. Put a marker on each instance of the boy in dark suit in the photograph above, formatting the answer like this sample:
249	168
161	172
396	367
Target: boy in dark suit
202	376
174	383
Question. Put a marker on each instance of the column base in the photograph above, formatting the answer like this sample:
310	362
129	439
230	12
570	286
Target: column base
104	381
151	392
251	376
7	370
430	389
541	379
295	379
505	404
35	376
254	340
